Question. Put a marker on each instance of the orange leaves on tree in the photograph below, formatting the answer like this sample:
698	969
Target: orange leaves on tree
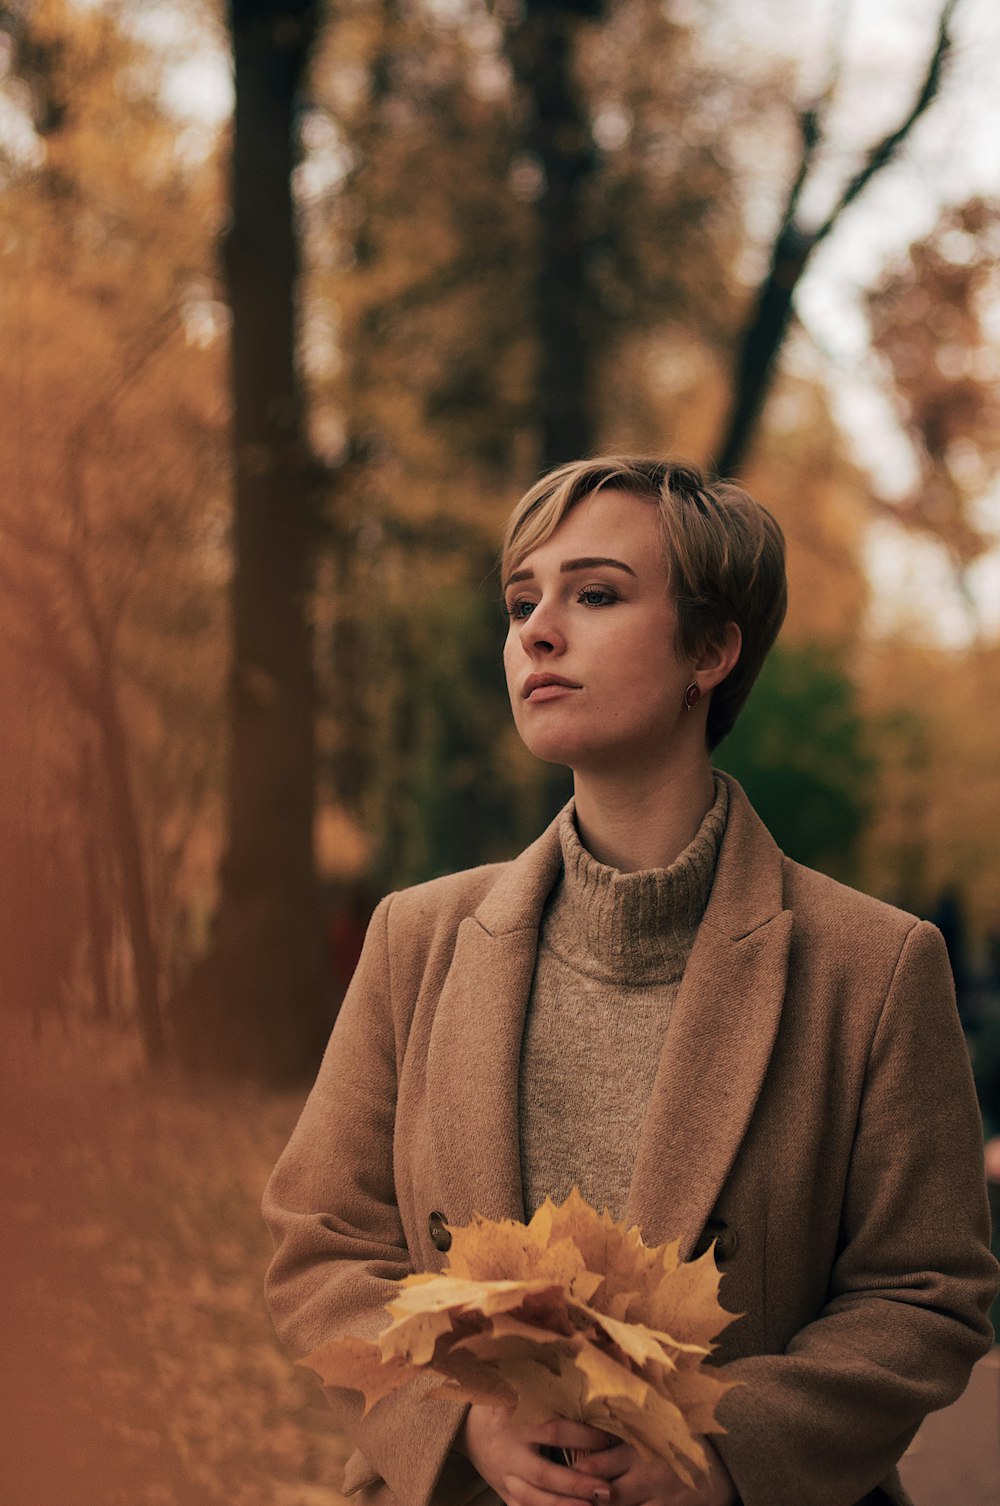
570	1315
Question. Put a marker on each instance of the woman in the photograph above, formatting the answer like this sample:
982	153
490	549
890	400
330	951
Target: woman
712	1041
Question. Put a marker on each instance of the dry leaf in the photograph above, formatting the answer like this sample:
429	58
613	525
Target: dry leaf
570	1315
374	1376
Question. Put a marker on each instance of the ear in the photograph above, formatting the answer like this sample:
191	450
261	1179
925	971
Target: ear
719	657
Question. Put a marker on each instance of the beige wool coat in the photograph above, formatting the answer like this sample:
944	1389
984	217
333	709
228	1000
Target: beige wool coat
813	1108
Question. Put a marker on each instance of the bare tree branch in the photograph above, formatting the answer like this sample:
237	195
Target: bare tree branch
794	244
166	327
883	152
50	641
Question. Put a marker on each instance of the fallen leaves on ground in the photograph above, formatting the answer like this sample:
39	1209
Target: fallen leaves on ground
140	1365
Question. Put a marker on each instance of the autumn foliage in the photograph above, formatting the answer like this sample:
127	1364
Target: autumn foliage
420	352
570	1315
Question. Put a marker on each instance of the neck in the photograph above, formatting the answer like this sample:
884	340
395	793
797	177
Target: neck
631	823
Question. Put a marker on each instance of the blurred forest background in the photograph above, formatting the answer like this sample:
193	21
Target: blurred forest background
297	299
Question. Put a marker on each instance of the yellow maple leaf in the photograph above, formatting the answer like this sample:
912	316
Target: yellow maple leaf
630	1269
425	1313
505	1250
359	1365
639	1343
697	1391
543	1393
687	1305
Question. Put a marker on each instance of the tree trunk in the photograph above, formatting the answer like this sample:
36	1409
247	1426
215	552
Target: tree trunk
255	1007
557	134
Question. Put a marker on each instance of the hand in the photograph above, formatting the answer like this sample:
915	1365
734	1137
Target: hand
991	1156
508	1459
634	1482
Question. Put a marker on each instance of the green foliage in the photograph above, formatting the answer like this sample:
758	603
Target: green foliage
446	782
800	751
428	243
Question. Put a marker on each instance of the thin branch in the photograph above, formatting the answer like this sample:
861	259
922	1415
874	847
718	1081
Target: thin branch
72	569
52	645
167	325
883	152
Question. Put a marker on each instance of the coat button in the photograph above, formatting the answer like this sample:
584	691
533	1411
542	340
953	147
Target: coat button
726	1242
440	1235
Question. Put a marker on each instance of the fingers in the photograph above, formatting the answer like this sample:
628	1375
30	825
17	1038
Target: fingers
565	1434
566	1483
532	1495
607	1463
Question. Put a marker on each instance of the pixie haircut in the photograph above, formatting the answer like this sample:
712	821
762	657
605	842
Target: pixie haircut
725	554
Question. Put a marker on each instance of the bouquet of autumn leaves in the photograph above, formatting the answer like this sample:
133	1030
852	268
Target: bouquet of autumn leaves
570	1315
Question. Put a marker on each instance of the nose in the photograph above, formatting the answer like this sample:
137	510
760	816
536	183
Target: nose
542	632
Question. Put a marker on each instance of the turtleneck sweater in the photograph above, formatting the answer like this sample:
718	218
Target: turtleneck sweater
611	955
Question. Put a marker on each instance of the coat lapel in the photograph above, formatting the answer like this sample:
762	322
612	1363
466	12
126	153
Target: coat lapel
714	1059
720	1039
473	1056
715	1056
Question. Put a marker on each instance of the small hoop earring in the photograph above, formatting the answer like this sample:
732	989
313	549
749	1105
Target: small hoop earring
692	695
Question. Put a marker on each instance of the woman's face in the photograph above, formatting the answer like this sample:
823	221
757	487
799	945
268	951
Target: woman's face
594	679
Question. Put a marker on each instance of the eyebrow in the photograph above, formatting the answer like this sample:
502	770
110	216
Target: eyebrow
589	562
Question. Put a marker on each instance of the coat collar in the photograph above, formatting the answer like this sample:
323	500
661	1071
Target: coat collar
718	1045
736	906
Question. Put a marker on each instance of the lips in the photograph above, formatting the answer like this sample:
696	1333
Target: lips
541	683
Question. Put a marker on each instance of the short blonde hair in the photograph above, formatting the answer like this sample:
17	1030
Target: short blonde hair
725	553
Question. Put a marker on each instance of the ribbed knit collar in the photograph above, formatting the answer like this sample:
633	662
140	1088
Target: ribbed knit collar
632	928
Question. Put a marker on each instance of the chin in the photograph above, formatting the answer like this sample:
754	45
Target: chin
589	754
550	749
571	752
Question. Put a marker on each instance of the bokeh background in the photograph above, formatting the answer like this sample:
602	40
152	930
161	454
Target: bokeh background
296	300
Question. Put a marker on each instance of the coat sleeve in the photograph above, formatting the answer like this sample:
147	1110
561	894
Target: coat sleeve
339	1244
906	1316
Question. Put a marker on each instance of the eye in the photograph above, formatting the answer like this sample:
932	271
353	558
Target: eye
520	608
596	596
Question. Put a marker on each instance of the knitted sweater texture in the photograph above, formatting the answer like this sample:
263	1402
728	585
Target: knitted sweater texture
612	951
